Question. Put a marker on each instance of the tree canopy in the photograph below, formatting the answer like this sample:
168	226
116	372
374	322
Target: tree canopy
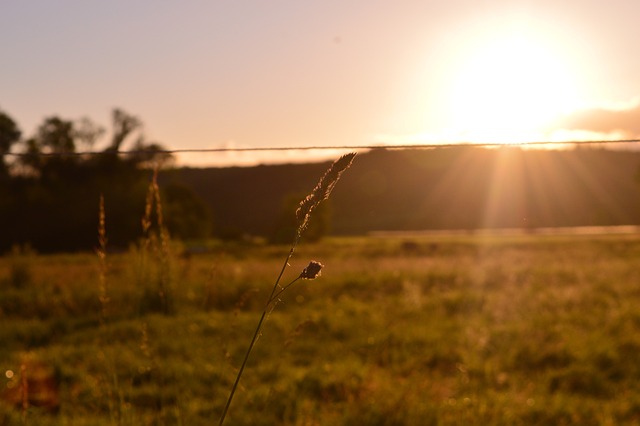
51	189
9	134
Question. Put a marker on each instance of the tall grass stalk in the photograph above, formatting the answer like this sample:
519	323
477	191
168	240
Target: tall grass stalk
320	193
101	251
156	247
112	386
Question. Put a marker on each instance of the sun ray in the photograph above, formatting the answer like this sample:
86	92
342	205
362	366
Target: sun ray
505	205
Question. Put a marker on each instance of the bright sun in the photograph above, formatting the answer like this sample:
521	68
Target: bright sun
509	88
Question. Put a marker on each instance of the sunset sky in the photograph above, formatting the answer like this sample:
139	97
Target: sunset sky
235	73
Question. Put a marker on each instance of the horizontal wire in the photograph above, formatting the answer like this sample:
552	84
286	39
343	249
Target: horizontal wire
327	147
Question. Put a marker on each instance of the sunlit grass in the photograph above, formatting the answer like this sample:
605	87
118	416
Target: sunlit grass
527	330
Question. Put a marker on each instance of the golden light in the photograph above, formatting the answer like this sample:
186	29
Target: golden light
509	87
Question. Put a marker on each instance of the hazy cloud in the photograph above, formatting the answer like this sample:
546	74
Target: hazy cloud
254	158
604	120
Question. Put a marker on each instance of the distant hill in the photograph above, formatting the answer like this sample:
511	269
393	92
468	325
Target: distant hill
449	188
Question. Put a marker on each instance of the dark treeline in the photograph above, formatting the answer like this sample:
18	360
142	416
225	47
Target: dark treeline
50	202
449	188
252	200
49	195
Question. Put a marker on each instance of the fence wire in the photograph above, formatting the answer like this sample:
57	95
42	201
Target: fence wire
326	147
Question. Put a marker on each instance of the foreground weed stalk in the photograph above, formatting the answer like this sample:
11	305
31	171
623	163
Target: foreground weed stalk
155	256
115	412
320	193
101	251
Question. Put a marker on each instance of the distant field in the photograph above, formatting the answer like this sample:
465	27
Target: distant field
557	230
405	330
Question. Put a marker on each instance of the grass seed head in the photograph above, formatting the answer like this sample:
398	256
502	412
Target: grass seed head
312	271
322	190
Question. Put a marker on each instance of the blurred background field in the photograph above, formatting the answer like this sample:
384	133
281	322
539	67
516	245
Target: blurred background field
411	330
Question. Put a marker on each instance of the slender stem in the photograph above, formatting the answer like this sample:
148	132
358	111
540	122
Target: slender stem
275	296
244	363
257	332
284	266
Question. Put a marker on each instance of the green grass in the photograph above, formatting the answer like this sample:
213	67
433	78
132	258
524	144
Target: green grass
465	330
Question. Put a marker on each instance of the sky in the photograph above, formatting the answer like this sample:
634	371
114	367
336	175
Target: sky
280	73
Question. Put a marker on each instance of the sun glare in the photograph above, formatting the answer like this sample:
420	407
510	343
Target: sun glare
509	88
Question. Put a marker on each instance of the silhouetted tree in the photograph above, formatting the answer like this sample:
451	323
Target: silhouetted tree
50	152
123	125
150	155
9	134
56	136
144	154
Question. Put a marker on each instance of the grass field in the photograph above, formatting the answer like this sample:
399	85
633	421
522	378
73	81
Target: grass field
527	330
